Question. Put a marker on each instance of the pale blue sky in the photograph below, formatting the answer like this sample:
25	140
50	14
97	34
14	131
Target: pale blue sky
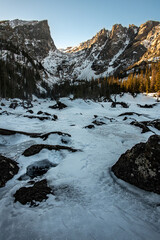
72	21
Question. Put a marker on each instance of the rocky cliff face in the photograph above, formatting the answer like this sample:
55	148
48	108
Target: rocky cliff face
149	37
107	53
32	36
98	39
23	44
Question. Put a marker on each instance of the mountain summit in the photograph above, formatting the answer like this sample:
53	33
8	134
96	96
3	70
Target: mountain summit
31	36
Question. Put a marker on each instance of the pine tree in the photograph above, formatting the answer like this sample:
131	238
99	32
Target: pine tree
153	78
147	80
157	84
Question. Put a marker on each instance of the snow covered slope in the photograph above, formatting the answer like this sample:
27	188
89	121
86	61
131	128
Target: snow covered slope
89	202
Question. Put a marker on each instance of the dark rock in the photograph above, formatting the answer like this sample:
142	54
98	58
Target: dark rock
65	141
0	108
2	104
144	125
13	105
37	169
141	125
58	105
129	114
147	105
98	123
140	165
40	112
8	168
125	118
123	104
29	111
31	182
5	112
34	149
44	136
37	193
90	126
54	118
110	119
24	177
155	123
47	114
7	132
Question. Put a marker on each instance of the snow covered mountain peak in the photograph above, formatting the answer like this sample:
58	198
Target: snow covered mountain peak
16	22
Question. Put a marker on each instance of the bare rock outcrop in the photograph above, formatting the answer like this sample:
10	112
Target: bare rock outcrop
8	168
140	165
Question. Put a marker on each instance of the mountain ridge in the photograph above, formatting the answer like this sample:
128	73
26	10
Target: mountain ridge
109	52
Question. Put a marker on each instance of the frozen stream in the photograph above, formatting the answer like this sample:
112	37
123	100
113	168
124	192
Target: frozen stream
92	204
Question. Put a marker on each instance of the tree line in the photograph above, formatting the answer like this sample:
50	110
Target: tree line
18	72
141	80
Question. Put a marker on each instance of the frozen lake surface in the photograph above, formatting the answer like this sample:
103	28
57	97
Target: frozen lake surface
91	203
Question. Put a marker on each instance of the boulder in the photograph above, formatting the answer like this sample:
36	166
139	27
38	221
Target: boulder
30	111
39	112
90	126
13	105
8	168
37	169
37	193
140	165
123	104
58	105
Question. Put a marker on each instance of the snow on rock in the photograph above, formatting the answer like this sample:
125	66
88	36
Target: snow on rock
16	22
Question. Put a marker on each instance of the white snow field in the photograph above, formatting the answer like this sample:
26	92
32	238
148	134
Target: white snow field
92	204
